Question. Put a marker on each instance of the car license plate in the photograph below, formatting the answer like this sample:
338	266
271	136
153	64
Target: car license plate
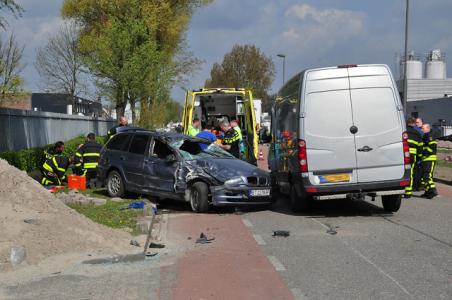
260	193
334	178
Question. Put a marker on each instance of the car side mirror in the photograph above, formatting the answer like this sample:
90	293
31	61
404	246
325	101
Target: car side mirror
170	158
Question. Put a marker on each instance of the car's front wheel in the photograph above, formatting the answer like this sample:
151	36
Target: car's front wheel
199	197
115	184
391	203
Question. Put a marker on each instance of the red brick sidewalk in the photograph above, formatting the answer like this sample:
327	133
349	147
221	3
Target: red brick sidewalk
231	267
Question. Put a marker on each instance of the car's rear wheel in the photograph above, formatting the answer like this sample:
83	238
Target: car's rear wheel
298	202
115	184
391	203
199	197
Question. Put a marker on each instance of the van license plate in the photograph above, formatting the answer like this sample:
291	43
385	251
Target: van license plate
260	193
334	178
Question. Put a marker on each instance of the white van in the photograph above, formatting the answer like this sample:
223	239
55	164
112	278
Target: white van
339	132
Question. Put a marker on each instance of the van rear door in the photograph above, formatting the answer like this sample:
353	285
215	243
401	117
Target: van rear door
327	122
377	115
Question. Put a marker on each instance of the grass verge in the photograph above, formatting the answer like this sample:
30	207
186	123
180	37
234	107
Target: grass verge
113	214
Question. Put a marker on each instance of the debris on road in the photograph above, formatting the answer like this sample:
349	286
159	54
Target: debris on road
330	229
203	239
283	233
134	243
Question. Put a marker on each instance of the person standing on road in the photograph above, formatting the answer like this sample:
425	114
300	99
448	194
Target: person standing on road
236	127
87	158
122	122
231	139
418	183
428	162
193	129
415	144
418	127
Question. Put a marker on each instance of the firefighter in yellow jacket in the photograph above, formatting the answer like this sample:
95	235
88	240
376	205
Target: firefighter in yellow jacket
55	166
416	148
428	162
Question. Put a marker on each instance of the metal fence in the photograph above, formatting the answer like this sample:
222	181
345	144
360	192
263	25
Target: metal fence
21	129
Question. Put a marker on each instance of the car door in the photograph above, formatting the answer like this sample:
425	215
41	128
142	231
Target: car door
328	128
160	173
133	162
376	115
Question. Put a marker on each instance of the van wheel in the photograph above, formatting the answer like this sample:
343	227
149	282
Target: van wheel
115	185
391	203
199	200
298	203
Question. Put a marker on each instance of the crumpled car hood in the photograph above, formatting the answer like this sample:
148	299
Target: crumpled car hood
224	169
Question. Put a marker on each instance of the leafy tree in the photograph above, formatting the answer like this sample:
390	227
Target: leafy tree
133	46
60	63
244	66
10	67
12	7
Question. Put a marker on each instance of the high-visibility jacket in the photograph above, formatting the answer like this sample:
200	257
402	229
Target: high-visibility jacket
54	169
429	148
87	157
192	131
415	142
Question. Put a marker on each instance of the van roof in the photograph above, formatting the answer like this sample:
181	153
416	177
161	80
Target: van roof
348	66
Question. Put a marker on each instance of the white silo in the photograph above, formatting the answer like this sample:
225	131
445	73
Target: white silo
435	66
413	67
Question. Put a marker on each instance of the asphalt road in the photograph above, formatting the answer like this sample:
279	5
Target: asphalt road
355	250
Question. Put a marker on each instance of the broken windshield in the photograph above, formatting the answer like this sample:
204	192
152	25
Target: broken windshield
191	150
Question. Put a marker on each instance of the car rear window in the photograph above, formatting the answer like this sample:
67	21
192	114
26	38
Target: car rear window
119	142
139	144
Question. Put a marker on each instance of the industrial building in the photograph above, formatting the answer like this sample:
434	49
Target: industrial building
429	92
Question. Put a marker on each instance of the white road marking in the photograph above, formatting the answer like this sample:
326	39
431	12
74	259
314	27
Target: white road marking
247	223
259	239
276	263
366	259
297	294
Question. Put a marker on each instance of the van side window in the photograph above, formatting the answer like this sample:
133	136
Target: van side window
119	142
139	144
161	150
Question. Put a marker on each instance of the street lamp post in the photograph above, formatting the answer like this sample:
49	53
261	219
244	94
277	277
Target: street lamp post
283	56
405	78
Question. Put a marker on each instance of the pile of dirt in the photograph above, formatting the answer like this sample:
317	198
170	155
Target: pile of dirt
32	217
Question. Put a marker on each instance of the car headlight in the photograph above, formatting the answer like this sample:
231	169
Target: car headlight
235	181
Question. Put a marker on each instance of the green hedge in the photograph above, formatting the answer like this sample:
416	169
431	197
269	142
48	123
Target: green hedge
30	159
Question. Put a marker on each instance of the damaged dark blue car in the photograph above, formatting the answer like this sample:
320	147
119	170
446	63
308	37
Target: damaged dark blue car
173	166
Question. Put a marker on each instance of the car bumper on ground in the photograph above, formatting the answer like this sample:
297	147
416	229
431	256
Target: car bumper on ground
242	195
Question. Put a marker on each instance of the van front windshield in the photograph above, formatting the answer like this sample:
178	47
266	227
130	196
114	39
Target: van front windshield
191	150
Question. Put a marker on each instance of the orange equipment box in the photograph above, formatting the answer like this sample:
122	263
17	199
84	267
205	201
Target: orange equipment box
76	182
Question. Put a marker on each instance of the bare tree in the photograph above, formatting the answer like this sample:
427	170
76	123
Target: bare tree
60	63
10	67
12	7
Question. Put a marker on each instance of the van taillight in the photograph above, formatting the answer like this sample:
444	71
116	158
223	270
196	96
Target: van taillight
406	149
302	156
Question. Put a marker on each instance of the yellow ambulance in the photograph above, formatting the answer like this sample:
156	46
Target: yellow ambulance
213	105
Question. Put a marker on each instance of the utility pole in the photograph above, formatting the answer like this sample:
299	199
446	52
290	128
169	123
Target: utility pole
405	78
